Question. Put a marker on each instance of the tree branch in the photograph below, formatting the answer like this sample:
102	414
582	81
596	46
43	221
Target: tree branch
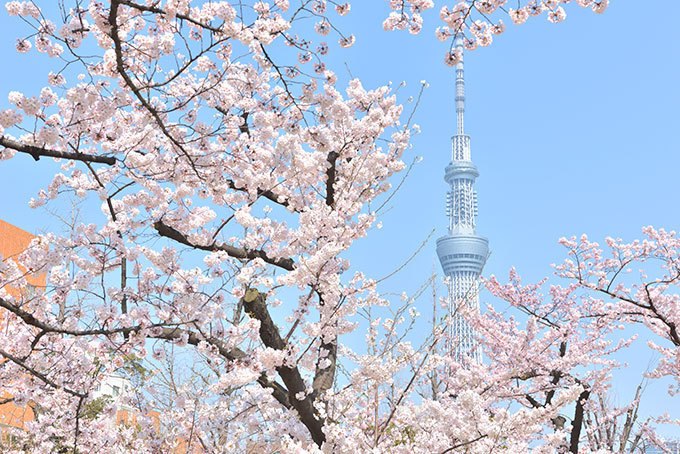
577	423
256	306
120	67
266	193
330	180
37	152
153	9
39	375
324	376
556	375
240	253
231	354
166	333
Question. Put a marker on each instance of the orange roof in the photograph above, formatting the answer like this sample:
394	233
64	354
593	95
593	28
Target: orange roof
13	416
13	241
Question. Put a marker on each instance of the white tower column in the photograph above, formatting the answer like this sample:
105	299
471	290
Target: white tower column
462	252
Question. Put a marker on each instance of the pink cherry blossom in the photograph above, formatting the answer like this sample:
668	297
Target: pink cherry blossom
229	181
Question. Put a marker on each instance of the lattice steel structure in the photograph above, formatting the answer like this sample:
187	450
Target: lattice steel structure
462	252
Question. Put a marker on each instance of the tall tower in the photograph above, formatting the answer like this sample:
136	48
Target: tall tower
462	252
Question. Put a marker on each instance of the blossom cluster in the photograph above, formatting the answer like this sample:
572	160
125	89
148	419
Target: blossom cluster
478	20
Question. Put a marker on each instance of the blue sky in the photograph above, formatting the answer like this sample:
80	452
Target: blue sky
573	125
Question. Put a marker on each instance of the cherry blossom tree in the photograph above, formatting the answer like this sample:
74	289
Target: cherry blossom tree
616	429
233	173
603	296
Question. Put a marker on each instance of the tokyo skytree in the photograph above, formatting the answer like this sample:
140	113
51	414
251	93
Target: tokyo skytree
462	253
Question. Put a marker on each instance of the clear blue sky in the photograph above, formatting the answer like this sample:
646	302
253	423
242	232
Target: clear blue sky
574	130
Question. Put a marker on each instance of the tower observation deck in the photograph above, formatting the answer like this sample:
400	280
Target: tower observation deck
462	253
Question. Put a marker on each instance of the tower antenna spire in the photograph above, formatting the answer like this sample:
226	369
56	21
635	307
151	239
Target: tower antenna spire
460	85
